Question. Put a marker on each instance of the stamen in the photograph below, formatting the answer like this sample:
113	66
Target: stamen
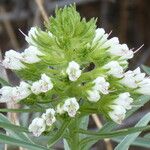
22	32
138	49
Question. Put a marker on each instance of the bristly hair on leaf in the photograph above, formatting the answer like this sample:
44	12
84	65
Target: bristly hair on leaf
71	30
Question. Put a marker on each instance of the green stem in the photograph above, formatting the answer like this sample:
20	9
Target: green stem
74	145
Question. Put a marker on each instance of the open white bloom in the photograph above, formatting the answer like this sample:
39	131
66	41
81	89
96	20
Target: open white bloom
12	60
124	100
93	95
114	69
6	94
101	85
144	86
71	106
37	126
43	85
73	71
31	34
121	50
110	43
117	114
30	55
49	116
132	79
20	92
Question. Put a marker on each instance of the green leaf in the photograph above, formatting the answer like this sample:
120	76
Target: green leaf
146	69
66	146
16	134
59	133
140	141
147	136
4	82
117	133
84	125
128	140
13	127
20	110
10	140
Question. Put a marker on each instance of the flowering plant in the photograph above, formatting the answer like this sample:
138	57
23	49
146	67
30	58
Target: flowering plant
70	71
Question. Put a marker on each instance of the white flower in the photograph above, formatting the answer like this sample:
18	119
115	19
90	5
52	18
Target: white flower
49	117
31	34
6	94
30	55
21	92
93	95
121	50
144	87
36	87
43	85
124	100
110	43
12	60
37	126
117	114
71	106
114	69
101	85
132	79
98	34
73	71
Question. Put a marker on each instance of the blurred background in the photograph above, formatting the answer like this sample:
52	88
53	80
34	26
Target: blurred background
127	19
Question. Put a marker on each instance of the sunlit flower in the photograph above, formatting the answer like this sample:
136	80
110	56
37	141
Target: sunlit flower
37	127
73	71
71	106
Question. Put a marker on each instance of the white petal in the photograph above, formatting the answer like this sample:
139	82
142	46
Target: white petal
37	126
73	71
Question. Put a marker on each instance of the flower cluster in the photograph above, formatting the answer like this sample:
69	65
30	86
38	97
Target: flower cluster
16	61
39	124
15	94
62	58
